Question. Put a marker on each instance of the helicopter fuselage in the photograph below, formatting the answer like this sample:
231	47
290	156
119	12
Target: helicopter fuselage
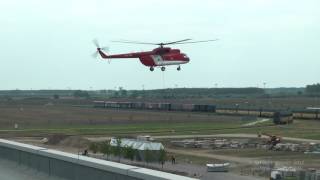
162	56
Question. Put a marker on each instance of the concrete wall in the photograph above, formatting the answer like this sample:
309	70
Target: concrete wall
75	167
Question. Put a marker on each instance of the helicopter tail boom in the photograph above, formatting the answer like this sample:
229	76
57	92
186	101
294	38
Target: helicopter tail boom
102	54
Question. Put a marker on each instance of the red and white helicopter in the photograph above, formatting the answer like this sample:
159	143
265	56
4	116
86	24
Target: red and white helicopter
158	57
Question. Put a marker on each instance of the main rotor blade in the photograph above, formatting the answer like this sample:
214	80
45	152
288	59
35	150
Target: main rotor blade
174	42
134	42
197	41
138	42
161	44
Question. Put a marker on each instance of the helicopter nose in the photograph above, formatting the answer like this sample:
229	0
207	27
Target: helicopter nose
186	58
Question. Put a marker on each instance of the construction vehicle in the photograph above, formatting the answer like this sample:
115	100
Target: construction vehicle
273	140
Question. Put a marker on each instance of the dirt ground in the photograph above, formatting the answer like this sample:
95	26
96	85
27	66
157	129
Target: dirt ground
192	161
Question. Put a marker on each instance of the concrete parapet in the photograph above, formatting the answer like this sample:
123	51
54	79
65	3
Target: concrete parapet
76	167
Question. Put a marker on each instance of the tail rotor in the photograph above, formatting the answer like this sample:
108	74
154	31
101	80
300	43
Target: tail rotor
99	50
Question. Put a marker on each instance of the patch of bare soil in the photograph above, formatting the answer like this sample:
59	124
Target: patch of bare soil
55	139
67	141
75	141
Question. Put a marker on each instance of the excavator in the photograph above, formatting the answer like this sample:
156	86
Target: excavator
273	140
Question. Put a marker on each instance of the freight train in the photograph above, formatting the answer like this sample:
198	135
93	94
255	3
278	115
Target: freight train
279	116
155	106
260	112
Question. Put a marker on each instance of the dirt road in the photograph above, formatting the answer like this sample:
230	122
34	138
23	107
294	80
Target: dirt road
203	153
234	136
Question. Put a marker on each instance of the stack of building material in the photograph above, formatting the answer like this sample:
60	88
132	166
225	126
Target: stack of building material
218	167
287	147
221	143
314	148
284	172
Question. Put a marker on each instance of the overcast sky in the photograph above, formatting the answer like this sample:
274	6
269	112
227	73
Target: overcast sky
48	44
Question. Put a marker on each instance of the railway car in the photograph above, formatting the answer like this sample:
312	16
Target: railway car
211	108
137	105
266	113
187	107
125	105
204	108
99	104
200	107
152	106
309	113
176	107
109	104
165	106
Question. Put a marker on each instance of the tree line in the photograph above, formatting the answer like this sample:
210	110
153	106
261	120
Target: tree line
313	89
194	92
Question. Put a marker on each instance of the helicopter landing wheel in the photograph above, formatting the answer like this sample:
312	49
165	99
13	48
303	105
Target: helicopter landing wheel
151	68
178	68
163	68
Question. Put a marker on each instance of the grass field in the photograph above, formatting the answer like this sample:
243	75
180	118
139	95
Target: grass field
41	118
212	125
155	128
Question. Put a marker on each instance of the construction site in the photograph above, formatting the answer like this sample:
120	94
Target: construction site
201	145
